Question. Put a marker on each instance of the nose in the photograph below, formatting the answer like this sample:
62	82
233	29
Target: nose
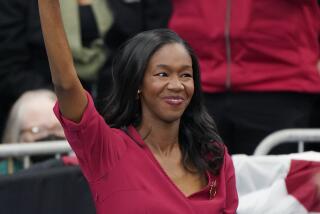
174	83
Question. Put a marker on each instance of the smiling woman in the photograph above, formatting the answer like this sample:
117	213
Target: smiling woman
156	142
167	86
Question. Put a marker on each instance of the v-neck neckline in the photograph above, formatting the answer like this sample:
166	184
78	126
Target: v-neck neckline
138	139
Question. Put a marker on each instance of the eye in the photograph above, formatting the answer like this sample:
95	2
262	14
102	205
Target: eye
161	74
188	75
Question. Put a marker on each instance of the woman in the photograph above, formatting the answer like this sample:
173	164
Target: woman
31	120
160	152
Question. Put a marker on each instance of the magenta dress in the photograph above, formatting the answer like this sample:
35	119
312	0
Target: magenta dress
125	178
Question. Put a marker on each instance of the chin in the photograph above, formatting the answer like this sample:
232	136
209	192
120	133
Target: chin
171	118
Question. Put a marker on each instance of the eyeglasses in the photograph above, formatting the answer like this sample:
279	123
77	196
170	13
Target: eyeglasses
33	133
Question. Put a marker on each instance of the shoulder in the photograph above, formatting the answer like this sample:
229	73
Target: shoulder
89	116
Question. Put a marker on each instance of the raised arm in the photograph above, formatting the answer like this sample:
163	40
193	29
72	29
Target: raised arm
71	95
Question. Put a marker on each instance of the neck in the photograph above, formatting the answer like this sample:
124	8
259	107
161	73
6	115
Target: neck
162	138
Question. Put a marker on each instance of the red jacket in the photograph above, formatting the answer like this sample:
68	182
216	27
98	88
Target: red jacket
252	45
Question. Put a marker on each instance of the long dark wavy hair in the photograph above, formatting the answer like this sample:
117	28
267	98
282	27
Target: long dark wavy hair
199	141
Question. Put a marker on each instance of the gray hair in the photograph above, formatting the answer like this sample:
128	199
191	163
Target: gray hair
13	124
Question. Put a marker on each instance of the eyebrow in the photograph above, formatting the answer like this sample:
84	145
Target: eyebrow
167	66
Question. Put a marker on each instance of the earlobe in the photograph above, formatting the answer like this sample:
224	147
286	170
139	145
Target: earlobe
138	94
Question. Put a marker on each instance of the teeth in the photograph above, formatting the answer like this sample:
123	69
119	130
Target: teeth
175	100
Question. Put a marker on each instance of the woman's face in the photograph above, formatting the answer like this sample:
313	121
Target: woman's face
168	85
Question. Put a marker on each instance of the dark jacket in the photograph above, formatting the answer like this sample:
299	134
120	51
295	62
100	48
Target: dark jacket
23	59
134	16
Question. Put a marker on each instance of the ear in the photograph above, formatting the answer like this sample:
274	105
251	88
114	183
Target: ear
138	94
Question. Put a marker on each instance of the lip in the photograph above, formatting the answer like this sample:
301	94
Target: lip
174	100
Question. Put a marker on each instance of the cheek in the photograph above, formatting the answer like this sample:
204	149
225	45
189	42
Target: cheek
189	89
152	90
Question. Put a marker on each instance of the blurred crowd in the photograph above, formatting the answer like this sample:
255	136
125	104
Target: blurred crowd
259	62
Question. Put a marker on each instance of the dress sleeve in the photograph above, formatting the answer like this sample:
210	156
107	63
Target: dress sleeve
97	146
231	189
